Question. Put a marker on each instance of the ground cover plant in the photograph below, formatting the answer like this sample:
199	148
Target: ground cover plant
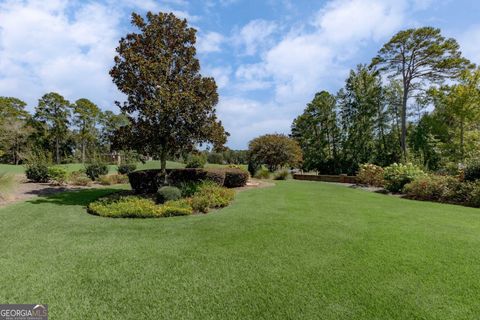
328	252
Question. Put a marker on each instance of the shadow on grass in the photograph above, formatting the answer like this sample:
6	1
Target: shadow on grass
73	198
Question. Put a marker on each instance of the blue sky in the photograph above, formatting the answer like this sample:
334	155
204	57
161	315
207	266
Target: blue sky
268	57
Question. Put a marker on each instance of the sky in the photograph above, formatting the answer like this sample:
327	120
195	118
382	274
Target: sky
269	57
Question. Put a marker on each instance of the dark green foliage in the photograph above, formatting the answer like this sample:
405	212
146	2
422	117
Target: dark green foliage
196	161
235	178
189	188
253	167
95	170
472	170
215	157
179	176
126	168
37	172
275	151
146	181
170	105
168	193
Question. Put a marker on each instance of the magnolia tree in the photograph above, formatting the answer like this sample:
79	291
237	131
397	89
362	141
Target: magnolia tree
170	105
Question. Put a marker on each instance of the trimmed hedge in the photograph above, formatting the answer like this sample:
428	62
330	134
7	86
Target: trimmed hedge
149	181
168	193
235	178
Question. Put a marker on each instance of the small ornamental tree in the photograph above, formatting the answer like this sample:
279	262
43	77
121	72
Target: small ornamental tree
275	151
171	107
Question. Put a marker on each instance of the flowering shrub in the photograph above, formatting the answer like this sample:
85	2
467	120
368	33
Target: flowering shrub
398	175
371	175
431	187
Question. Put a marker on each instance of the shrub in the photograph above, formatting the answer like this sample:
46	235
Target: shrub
7	184
57	175
79	178
95	170
281	175
189	188
262	174
211	195
472	170
146	181
428	187
180	207
126	168
456	191
371	175
195	161
168	193
398	175
125	207
253	167
178	176
235	178
37	172
111	179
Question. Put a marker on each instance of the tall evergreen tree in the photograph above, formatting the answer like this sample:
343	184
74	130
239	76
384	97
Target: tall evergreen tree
86	115
53	112
171	107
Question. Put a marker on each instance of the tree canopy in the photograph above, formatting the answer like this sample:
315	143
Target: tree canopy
170	105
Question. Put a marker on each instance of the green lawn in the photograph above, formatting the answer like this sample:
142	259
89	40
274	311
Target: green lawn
299	250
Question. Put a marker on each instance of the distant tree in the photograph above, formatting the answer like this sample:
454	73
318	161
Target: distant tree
85	117
317	133
458	106
53	111
275	151
171	107
12	108
416	57
360	104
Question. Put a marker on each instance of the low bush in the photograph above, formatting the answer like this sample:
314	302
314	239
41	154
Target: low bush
196	161
472	170
429	187
37	172
262	173
235	178
79	178
398	175
189	188
111	179
95	170
126	168
125	207
253	167
281	175
179	207
168	193
457	192
371	175
211	195
57	175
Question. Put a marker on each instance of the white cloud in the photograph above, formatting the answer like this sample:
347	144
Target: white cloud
51	51
220	74
254	35
209	42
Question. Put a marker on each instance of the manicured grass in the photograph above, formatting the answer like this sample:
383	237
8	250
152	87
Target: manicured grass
299	250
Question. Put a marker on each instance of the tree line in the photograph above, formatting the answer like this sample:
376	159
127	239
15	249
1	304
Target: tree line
58	130
417	101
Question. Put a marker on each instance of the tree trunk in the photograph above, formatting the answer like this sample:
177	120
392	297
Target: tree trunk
57	151
83	151
462	139
403	136
163	163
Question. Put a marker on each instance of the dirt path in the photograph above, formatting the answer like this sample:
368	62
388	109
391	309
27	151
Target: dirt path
24	190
